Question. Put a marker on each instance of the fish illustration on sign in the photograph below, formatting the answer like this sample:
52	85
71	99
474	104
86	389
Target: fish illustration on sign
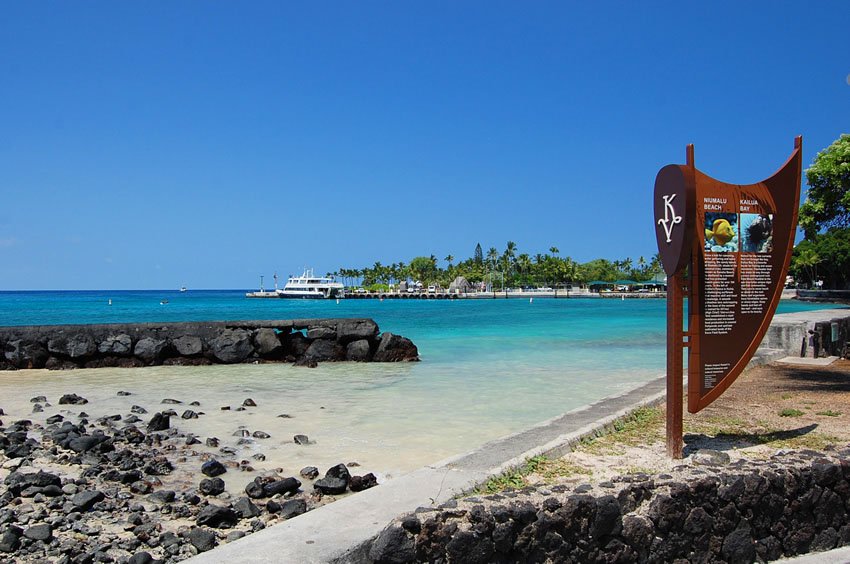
721	231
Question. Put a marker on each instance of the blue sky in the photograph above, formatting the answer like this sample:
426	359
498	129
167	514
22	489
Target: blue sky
155	144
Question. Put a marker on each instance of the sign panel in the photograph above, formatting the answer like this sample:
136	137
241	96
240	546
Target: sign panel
745	236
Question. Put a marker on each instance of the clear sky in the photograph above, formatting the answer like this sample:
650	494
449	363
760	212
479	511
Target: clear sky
159	144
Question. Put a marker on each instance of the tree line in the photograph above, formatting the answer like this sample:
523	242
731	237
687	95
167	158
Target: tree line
507	268
824	254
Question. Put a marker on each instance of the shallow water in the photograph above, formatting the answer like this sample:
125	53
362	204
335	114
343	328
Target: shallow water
489	368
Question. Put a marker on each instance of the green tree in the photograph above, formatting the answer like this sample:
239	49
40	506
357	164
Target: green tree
827	256
423	269
478	256
828	199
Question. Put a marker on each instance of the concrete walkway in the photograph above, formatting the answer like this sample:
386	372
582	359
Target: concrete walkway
339	531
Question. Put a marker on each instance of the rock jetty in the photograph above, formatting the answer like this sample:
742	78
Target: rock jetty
304	342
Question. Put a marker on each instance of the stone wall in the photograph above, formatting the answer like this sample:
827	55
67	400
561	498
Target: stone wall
790	504
301	341
788	331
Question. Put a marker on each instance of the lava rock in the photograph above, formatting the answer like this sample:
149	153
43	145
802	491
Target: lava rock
72	399
188	345
358	351
292	508
283	486
309	472
120	345
301	439
149	349
159	422
360	483
349	330
213	468
211	486
41	532
322	350
201	539
217	516
395	348
249	403
267	342
245	508
232	346
260	435
330	485
85	500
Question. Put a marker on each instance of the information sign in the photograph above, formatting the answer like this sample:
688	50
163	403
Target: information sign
736	243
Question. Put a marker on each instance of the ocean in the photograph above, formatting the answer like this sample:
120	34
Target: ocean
489	368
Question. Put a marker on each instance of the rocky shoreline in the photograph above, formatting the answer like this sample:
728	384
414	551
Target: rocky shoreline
304	342
136	487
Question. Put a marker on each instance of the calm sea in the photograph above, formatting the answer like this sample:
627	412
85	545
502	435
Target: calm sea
489	368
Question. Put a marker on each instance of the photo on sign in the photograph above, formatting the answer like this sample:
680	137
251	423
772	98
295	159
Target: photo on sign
756	233
721	232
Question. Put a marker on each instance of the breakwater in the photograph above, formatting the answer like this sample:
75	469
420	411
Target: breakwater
300	341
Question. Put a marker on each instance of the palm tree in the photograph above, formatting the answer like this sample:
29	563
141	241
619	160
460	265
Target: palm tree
554	250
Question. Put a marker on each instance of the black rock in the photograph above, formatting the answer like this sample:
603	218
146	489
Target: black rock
330	485
37	408
202	539
55	419
211	486
171	401
138	409
163	496
254	489
213	468
217	517
159	422
245	508
122	393
738	547
301	439
142	558
41	532
189	414
281	487
260	435
72	399
232	345
84	500
211	442
309	472
249	403
339	471
85	443
292	508
11	539
395	348
159	466
393	545
38	399
360	483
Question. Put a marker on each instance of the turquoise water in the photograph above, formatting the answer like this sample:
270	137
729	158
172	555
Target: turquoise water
490	367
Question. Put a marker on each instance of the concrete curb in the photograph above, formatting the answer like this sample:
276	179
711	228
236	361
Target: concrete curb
340	531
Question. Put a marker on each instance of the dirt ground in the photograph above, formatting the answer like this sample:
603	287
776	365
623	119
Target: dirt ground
768	409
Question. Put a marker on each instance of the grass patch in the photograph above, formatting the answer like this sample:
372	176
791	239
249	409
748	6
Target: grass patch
512	479
552	470
790	412
786	396
642	426
829	413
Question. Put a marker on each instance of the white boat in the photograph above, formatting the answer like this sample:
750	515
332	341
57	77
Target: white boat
309	286
183	289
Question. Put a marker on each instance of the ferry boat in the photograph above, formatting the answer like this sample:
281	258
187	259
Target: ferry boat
309	286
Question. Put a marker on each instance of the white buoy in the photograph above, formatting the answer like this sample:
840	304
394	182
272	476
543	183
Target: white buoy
531	300
110	301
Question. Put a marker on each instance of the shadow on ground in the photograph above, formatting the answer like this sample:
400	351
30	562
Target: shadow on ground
729	441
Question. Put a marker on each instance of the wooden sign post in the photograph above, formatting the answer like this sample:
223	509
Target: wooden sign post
735	242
